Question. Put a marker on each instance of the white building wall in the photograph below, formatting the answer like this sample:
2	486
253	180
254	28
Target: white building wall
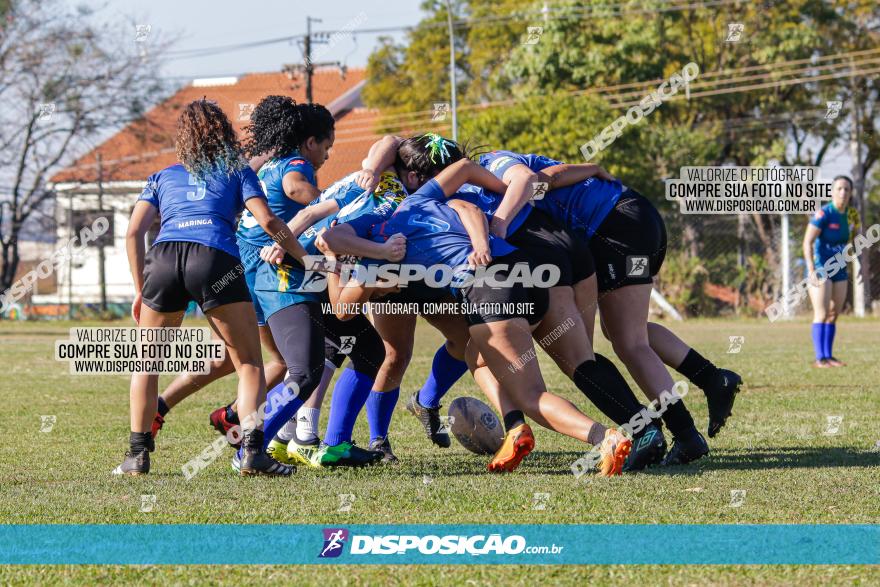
79	281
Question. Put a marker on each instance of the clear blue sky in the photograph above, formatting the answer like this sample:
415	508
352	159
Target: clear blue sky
199	23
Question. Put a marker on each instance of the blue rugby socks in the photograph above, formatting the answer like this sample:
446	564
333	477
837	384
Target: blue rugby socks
445	371
349	396
828	340
819	340
380	408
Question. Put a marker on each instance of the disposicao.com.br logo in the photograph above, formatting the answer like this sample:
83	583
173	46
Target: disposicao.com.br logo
476	545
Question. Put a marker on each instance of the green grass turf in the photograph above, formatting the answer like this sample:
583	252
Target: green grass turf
774	448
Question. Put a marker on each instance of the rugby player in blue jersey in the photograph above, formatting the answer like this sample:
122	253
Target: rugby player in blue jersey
547	242
198	201
828	233
627	238
340	203
440	234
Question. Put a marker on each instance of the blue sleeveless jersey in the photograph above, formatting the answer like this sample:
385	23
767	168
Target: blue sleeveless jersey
271	177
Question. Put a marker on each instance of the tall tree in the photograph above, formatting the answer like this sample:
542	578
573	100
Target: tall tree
66	77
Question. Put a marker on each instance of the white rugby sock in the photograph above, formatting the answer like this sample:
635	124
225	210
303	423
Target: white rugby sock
307	424
288	431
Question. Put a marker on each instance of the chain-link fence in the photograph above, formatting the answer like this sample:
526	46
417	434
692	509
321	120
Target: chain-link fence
735	264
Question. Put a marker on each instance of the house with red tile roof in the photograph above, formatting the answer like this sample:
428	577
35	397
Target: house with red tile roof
146	145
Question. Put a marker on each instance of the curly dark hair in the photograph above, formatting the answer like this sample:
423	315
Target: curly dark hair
205	141
279	126
427	154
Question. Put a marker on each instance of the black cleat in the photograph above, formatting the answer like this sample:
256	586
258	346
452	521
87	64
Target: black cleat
430	419
684	451
134	464
255	461
648	449
382	445
720	398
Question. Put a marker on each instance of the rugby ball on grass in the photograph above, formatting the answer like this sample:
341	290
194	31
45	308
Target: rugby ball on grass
475	425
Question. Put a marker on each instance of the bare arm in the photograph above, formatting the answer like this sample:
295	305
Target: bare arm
310	215
566	174
299	189
275	228
381	156
346	300
520	182
343	240
809	238
466	171
142	217
477	228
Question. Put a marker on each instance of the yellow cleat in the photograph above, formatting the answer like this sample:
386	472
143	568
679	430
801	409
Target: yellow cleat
278	451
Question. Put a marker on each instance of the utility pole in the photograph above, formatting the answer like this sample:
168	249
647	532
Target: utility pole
452	81
102	260
307	69
69	256
861	264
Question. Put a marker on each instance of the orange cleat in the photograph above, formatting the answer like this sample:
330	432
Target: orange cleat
614	450
517	444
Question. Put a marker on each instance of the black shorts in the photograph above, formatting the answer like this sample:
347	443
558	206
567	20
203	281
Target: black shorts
548	242
415	292
488	304
630	244
341	336
176	272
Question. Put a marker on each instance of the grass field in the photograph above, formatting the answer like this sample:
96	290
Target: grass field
775	448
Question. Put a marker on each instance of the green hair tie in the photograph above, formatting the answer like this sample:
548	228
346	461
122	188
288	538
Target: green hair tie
437	146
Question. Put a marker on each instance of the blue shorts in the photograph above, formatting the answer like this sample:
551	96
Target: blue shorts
250	259
279	286
841	274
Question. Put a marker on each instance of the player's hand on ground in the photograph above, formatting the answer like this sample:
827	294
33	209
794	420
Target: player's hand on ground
136	307
367	179
272	254
395	247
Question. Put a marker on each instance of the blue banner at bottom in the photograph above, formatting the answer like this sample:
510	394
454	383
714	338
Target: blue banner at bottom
439	544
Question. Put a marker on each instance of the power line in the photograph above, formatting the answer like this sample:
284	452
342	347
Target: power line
568	13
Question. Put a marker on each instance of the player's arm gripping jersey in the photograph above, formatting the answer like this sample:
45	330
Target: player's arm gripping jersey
581	207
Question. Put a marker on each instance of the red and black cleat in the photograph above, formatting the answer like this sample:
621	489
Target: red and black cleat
222	425
158	421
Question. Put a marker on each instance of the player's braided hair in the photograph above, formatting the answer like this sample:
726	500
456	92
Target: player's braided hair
280	126
206	141
427	154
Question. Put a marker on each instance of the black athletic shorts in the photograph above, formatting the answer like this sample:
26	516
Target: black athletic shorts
487	304
630	244
340	336
415	292
176	272
548	242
